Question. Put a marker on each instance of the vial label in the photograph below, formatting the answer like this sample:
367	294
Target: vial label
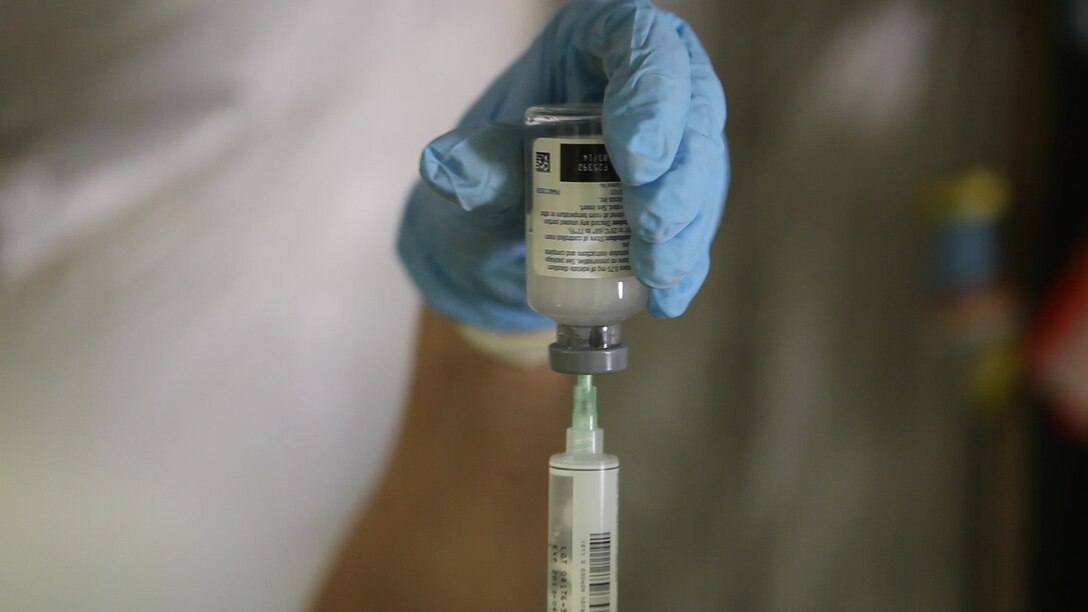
582	540
576	226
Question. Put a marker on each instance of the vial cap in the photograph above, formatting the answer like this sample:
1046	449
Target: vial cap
587	360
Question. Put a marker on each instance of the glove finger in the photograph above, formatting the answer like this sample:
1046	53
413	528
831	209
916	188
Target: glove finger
646	100
670	262
478	167
707	119
665	264
673	301
708	110
660	210
695	185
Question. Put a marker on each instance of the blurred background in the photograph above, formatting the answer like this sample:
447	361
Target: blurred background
878	402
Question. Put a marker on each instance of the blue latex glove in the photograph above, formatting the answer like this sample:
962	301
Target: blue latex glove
663	119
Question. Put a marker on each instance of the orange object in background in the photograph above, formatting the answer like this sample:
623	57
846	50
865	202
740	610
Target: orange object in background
1058	348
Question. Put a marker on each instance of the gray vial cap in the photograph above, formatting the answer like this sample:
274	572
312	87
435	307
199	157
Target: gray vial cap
588	349
587	360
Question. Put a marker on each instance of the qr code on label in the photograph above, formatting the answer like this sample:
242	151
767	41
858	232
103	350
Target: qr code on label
543	161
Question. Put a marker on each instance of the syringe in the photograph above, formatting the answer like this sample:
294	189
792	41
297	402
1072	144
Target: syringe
583	506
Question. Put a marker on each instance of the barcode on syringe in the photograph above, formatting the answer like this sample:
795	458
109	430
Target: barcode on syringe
600	572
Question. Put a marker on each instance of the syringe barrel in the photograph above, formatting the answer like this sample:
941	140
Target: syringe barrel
583	509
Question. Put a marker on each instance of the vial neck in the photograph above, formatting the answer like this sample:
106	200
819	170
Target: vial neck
588	337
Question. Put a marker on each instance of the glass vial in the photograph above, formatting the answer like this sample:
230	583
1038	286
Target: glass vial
578	241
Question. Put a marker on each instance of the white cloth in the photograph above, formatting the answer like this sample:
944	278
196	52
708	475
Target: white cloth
204	332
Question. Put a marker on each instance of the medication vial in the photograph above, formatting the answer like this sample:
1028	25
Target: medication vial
578	241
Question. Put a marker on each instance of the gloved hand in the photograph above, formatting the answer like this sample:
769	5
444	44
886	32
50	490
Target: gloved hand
663	120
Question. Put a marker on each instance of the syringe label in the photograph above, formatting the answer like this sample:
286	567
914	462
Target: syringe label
582	540
577	225
561	494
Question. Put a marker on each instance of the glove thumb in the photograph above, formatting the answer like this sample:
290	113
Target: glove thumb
478	167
